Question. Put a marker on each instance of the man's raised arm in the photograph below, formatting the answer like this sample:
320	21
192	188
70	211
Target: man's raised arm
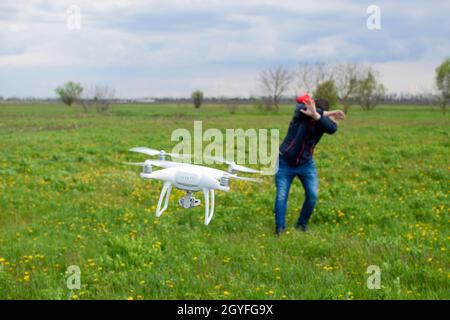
327	124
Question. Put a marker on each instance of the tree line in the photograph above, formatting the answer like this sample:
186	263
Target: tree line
339	84
344	84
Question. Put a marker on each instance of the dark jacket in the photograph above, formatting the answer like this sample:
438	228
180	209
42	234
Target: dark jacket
303	135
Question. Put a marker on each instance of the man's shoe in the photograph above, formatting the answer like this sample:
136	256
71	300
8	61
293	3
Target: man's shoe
279	232
301	227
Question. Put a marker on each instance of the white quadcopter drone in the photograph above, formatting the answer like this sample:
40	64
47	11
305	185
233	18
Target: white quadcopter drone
190	178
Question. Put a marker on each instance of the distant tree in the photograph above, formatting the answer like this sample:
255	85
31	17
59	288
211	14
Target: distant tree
197	98
443	83
327	90
274	82
369	91
98	98
347	76
70	92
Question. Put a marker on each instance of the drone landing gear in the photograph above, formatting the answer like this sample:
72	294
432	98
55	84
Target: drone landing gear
209	208
188	201
165	192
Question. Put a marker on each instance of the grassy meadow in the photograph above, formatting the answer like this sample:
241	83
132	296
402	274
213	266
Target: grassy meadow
66	199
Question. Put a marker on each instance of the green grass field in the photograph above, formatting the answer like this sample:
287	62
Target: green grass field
65	199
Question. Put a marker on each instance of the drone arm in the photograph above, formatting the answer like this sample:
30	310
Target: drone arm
209	207
164	192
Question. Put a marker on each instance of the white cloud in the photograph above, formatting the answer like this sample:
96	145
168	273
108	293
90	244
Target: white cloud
163	47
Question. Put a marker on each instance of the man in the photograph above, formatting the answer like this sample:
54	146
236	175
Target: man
296	157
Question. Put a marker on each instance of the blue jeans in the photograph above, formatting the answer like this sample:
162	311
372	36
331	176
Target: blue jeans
283	180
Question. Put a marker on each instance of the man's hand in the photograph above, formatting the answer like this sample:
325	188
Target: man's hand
335	115
311	109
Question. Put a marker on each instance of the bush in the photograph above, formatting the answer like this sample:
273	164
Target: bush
70	92
99	98
197	98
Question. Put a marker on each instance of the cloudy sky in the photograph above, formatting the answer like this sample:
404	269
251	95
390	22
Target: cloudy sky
171	47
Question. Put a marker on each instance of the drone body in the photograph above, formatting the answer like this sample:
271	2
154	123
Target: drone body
190	178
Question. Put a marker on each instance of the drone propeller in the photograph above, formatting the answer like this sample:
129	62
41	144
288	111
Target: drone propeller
158	163
234	166
246	179
154	152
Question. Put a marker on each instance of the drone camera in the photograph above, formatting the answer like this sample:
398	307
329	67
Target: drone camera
188	201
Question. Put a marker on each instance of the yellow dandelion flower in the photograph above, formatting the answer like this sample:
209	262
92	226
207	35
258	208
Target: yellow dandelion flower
226	259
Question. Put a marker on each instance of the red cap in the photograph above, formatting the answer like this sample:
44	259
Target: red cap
303	98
